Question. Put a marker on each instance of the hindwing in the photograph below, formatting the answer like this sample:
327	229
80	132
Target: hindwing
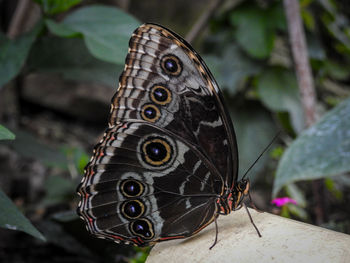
145	185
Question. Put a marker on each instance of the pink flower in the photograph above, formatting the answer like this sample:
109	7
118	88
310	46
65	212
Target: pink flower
281	201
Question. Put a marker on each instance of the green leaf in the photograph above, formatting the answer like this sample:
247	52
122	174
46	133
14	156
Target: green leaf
58	190
29	146
6	134
315	48
71	58
277	152
58	235
295	193
254	130
331	187
308	18
65	216
285	212
232	68
78	157
278	90
12	218
254	32
61	29
337	25
13	53
276	16
322	150
336	71
297	211
141	254
106	31
51	7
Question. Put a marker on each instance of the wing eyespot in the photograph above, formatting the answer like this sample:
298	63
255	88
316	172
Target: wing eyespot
142	227
156	151
150	112
171	65
160	94
131	188
132	209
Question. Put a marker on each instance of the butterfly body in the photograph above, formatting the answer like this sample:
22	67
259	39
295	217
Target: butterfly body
167	164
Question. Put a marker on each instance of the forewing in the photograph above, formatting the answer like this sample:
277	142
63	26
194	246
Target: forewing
194	110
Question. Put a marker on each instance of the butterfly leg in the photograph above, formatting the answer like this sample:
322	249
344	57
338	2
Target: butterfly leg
253	205
216	233
251	220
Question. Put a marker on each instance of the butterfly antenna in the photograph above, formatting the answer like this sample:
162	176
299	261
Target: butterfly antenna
262	153
250	198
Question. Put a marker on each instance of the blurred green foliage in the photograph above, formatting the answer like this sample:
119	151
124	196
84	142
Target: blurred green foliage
13	53
141	255
11	218
260	68
256	28
6	134
320	151
52	7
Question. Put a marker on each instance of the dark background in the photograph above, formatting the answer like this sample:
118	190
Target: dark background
57	105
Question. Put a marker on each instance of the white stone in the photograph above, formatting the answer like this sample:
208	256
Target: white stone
283	240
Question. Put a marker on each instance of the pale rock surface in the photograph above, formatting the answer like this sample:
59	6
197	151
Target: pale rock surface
283	240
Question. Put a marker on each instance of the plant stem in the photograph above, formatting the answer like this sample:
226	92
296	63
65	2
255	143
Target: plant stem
200	24
19	21
306	85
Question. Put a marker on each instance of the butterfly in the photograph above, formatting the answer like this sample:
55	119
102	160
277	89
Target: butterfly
167	165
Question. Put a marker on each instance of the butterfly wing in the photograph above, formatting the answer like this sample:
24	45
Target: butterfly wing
170	149
191	105
146	185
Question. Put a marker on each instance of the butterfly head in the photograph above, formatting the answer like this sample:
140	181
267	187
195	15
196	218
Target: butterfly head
232	200
240	190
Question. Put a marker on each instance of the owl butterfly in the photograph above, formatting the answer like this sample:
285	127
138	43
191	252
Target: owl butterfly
167	164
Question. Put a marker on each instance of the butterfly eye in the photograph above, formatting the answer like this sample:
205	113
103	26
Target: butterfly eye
132	209
150	113
156	151
160	95
131	188
171	65
142	228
